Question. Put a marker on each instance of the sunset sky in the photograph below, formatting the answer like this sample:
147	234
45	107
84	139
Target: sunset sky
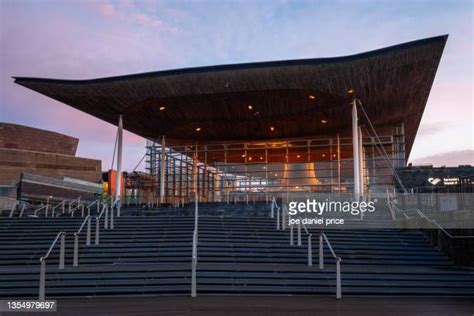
89	39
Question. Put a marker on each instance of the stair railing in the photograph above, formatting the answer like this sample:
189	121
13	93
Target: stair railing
14	208
42	207
76	201
434	222
322	238
22	211
104	212
194	259
426	218
76	239
61	204
42	284
89	206
73	210
274	207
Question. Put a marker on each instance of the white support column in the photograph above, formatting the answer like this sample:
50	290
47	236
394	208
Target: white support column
163	171
195	174
355	149
361	162
118	191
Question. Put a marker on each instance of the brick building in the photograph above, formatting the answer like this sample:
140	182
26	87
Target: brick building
30	150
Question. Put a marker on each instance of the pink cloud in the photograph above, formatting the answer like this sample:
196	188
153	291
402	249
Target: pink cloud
450	159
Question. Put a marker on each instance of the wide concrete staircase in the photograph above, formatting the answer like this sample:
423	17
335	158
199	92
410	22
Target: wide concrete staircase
239	252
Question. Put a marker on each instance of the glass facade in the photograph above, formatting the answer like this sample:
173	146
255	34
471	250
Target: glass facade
250	171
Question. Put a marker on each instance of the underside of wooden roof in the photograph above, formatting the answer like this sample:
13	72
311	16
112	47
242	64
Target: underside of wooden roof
259	101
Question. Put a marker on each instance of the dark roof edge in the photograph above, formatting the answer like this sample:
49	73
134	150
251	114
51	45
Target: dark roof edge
242	66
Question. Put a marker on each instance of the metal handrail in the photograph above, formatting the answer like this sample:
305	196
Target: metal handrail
322	237
97	202
42	284
338	262
273	206
13	209
22	210
195	242
422	215
76	239
425	217
63	206
105	211
194	265
75	208
46	206
71	203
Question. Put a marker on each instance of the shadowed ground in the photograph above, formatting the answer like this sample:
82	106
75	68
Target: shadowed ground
262	306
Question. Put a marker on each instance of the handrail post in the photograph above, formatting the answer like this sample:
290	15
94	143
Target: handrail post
193	266
338	279
283	218
310	251
42	283
272	206
321	252
299	232
106	218
97	228
291	235
88	235
278	218
75	260
62	251
111	218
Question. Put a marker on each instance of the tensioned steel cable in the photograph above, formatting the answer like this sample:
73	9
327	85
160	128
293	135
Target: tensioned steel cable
384	154
139	163
115	148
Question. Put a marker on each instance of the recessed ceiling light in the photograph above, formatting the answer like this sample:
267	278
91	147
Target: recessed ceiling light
312	97
324	155
250	107
272	128
243	156
250	158
334	155
298	156
324	121
198	129
350	91
261	158
276	174
162	108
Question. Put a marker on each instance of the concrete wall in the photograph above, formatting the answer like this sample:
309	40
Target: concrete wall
14	136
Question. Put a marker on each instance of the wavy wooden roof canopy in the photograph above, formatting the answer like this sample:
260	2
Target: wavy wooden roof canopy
259	101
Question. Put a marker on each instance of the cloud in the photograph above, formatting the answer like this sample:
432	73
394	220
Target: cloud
100	38
450	159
